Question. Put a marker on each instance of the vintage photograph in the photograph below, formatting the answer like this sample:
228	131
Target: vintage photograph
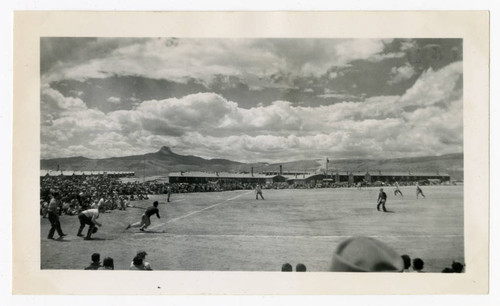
252	154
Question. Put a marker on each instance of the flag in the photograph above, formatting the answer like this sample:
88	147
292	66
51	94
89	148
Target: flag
327	161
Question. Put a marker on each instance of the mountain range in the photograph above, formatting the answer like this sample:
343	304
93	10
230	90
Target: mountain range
164	161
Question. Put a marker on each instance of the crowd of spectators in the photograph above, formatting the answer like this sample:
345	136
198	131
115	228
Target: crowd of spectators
78	193
138	263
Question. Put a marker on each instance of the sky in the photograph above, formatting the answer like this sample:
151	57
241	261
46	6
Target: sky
251	100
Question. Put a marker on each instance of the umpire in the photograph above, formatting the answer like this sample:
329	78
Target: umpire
53	211
382	197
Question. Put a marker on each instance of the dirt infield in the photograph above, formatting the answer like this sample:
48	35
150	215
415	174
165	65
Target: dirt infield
231	231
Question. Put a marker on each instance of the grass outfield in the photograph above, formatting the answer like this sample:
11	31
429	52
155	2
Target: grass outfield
231	231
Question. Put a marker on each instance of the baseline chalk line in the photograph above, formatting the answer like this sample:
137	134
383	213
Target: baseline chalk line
198	211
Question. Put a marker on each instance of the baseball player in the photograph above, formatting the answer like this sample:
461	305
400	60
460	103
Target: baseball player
397	190
53	211
89	217
419	191
258	191
382	197
169	192
145	219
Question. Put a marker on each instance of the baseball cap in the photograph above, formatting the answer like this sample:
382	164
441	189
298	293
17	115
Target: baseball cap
142	253
365	254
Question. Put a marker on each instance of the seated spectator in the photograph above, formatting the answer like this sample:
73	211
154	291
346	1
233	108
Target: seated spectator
122	203
407	262
286	267
107	264
137	264
142	256
418	265
364	254
300	268
96	262
457	267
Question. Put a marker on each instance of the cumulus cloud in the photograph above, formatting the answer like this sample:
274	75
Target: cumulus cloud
434	86
400	73
252	60
58	103
113	100
333	75
338	96
408	44
383	56
351	49
426	119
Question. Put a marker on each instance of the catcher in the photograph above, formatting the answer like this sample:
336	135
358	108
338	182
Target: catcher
89	217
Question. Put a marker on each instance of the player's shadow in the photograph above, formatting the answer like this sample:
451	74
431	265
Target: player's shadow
152	232
389	211
97	239
61	240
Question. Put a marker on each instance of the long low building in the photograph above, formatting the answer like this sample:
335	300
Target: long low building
201	177
307	178
44	173
370	177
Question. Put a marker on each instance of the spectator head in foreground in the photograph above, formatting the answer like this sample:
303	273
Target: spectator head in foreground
137	264
406	261
457	267
144	265
418	264
108	263
96	258
141	254
448	270
286	267
364	254
96	262
300	268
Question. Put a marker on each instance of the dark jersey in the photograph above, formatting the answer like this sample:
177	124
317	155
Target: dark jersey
382	196
151	211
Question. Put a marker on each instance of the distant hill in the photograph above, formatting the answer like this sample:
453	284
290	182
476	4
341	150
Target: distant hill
165	160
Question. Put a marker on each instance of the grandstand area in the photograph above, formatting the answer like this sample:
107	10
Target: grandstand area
231	231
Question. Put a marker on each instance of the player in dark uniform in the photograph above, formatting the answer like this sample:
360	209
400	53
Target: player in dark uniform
382	197
145	220
419	191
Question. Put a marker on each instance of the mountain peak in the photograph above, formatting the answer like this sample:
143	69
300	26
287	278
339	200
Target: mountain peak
165	150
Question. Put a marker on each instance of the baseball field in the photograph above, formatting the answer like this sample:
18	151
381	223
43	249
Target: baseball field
231	231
